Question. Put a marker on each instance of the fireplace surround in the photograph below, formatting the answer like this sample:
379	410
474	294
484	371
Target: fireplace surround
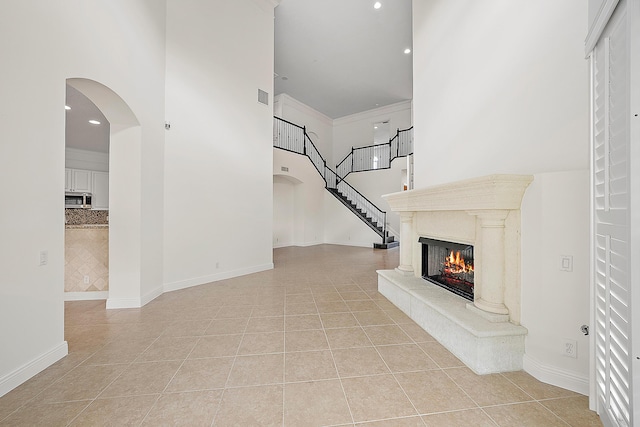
483	331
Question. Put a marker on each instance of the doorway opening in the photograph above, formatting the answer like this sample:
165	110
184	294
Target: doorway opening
102	137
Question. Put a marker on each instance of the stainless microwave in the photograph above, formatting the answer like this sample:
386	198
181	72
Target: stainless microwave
77	200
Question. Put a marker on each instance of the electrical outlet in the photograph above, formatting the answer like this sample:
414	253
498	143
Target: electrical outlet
86	280
570	348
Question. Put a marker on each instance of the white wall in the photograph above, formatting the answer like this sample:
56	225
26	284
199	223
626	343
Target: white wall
218	168
298	201
501	86
555	303
283	211
120	44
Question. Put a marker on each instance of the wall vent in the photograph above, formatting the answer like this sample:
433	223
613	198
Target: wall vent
263	97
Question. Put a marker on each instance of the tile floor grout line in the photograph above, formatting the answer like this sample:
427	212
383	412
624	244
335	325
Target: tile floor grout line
229	374
17	409
393	374
284	357
444	371
172	377
335	366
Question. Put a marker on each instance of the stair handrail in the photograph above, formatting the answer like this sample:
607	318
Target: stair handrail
294	138
377	214
403	141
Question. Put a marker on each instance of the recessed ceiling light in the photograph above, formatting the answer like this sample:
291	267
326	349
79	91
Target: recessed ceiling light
66	107
377	5
407	51
94	122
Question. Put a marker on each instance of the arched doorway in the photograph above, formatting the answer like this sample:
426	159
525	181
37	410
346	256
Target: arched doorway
124	192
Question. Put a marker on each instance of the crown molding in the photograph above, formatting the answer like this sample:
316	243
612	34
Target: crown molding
291	102
381	111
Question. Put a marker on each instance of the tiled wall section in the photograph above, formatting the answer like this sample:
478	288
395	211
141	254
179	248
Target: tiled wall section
86	254
85	216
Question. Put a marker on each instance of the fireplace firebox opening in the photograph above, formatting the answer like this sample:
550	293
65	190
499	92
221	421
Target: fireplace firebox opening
449	265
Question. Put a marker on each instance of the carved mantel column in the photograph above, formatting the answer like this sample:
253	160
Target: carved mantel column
406	245
489	296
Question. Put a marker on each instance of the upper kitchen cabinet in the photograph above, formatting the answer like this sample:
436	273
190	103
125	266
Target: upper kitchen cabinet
100	182
78	180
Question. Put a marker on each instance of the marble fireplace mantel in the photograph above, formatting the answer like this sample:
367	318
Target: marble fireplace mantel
484	212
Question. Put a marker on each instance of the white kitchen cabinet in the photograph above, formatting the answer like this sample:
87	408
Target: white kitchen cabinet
77	180
68	179
100	184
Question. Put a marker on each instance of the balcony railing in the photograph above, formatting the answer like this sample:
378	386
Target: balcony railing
377	156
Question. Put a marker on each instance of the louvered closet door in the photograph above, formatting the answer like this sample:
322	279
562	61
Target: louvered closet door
611	221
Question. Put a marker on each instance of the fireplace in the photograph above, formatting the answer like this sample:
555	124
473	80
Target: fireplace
483	216
449	265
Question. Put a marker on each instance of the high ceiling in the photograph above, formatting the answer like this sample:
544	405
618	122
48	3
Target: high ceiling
340	57
343	56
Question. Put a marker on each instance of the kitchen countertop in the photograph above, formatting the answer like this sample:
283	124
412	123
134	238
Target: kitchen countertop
84	226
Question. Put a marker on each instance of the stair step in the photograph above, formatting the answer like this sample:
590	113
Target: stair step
386	245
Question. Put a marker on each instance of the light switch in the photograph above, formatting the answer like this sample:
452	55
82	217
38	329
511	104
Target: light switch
566	263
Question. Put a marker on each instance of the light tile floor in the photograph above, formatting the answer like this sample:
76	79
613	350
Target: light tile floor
310	343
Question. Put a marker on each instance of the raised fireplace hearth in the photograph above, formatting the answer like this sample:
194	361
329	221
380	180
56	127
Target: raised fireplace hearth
459	272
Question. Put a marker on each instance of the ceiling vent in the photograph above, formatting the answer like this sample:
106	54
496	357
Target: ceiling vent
263	97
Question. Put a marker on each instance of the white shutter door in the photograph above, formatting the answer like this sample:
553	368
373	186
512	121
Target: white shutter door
613	360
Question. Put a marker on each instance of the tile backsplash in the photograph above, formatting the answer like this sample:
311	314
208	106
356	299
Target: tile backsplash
85	216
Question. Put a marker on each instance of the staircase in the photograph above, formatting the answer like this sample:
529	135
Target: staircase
387	241
291	137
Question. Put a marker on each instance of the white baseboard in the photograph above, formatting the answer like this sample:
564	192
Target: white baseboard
282	245
182	284
86	296
353	243
28	370
113	303
150	296
307	244
555	376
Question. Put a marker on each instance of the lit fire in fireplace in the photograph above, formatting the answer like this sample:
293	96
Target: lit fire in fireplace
449	265
455	264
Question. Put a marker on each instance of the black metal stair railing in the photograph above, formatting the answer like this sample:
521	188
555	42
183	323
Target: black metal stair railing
379	156
291	137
